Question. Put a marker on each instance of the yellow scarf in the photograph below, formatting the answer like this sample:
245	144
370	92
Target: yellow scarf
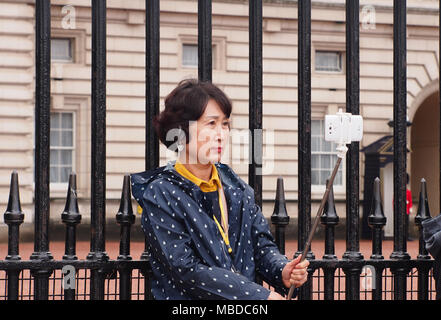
207	186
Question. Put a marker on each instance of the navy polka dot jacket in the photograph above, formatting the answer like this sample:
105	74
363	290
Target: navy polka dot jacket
189	258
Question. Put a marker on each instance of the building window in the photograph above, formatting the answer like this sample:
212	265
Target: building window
190	55
329	61
62	50
61	146
323	157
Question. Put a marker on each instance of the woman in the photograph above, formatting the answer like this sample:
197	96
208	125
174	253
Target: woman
207	237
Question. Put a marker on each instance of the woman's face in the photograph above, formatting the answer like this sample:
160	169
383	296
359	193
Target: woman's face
212	130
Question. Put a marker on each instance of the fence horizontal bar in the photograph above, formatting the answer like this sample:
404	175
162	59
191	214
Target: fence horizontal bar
78	264
385	264
145	265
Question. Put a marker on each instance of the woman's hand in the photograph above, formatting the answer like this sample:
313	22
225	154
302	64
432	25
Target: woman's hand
295	272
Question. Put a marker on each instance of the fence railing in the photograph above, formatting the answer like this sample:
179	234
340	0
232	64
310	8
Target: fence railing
98	277
329	278
125	278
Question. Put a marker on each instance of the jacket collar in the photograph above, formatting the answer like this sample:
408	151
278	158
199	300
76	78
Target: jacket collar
206	186
231	182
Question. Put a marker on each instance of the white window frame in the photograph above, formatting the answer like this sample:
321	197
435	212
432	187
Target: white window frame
318	190
78	42
59	189
218	51
60	186
80	106
189	66
72	50
340	55
329	46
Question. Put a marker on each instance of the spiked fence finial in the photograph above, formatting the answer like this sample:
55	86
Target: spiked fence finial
71	213
13	218
125	212
376	218
423	205
280	215
71	217
13	214
280	218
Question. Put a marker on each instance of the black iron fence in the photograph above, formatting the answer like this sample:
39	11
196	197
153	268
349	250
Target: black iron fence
98	277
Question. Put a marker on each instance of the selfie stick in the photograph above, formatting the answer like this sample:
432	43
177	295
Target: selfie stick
341	154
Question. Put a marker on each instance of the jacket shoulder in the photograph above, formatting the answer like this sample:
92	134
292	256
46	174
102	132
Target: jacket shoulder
141	180
229	177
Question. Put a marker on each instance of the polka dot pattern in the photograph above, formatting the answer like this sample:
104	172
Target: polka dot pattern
189	259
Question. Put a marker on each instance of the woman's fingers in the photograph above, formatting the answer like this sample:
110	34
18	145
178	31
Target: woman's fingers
302	265
295	272
295	262
299	275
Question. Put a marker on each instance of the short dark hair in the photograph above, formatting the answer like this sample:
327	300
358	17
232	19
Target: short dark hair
187	102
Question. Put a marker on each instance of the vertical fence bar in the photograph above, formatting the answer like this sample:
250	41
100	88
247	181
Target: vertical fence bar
98	178
204	40
42	146
255	100
352	160
125	218
71	217
400	149
280	217
329	219
152	82
304	127
377	221
152	104
423	271
13	218
255	103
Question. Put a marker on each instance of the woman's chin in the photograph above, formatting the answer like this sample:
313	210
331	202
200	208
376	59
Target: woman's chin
213	158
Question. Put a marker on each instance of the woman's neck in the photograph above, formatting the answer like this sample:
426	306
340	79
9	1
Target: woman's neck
202	171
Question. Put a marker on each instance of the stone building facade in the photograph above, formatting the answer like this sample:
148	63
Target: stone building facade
71	89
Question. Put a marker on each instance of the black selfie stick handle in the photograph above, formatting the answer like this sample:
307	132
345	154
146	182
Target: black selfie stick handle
316	221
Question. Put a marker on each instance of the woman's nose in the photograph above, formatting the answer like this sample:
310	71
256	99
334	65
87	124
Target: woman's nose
218	133
221	133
